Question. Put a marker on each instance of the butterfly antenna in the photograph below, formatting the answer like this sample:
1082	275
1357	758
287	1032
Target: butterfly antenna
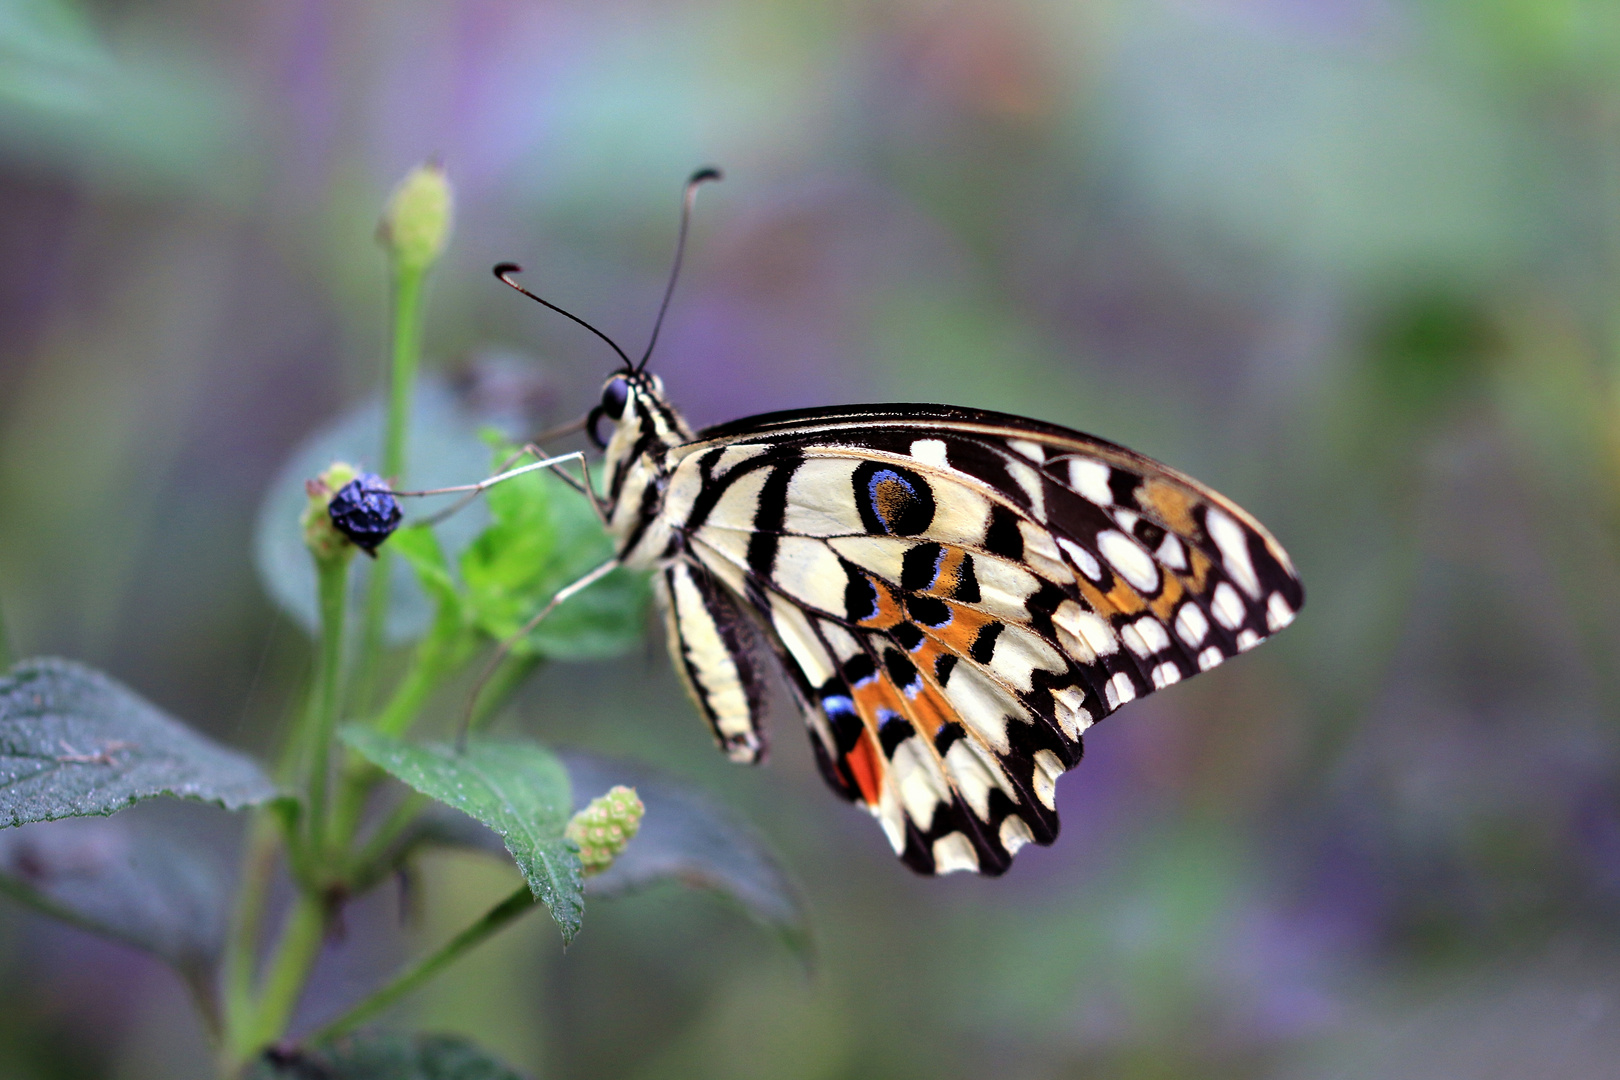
688	197
504	271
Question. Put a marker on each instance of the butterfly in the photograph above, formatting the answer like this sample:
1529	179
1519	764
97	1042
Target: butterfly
954	595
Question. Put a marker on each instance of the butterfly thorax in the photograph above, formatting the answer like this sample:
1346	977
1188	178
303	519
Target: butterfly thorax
636	474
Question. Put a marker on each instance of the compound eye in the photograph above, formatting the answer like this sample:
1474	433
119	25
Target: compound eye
614	397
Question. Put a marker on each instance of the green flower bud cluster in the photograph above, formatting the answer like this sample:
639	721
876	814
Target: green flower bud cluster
320	536
603	828
415	224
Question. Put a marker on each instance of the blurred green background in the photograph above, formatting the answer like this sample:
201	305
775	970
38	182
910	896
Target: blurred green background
1356	263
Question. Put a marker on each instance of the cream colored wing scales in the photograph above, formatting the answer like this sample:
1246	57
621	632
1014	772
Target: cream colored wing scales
958	599
713	645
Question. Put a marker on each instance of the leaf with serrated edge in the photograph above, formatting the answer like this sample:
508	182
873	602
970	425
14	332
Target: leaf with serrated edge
518	789
385	1056
130	877
73	742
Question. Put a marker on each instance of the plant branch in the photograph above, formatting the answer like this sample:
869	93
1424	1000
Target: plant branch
405	358
333	581
520	903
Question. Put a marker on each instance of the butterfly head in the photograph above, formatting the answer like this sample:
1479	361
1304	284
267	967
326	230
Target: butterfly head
641	418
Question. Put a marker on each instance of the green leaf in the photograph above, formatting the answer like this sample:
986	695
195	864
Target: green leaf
544	536
688	838
130	877
74	742
445	450
385	1056
684	837
518	789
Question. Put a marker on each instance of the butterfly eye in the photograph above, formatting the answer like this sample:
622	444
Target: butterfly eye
614	397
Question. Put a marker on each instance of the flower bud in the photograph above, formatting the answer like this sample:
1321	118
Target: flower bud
415	225
321	536
603	828
365	511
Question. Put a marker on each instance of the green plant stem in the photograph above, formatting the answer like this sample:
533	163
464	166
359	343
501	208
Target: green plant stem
520	903
295	955
241	947
405	357
332	581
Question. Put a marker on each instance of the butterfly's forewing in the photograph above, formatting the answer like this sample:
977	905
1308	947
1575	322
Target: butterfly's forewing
957	595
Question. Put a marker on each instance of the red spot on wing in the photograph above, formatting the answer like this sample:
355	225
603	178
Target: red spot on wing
866	766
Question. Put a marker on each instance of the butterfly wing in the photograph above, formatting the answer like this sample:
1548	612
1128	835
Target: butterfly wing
957	595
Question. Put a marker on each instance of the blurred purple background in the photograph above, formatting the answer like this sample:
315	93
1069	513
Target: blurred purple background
1356	263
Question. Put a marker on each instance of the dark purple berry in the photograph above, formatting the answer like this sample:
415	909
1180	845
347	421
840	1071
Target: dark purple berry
365	511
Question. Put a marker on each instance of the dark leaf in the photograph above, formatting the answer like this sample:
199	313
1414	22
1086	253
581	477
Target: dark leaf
518	789
385	1056
74	742
688	838
444	450
128	877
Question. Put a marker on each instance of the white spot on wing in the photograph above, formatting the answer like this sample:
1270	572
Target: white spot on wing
1126	556
1041	554
1209	658
1165	674
1089	477
1278	613
1234	545
953	852
1047	769
1082	559
1088	628
1171	553
1247	640
1119	690
1032	450
1191	625
1029	479
1145	636
1228	607
930	452
922	784
1127	519
1070	716
1015	833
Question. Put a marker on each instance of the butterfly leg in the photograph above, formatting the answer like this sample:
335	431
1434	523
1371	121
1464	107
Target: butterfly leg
504	473
584	487
505	647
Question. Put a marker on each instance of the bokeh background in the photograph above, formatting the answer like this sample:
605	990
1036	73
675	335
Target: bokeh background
1356	263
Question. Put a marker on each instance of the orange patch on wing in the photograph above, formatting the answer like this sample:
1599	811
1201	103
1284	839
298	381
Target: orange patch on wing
1171	504
1165	602
889	613
1201	563
959	634
949	575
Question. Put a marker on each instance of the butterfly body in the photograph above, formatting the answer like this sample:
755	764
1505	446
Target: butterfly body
954	595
